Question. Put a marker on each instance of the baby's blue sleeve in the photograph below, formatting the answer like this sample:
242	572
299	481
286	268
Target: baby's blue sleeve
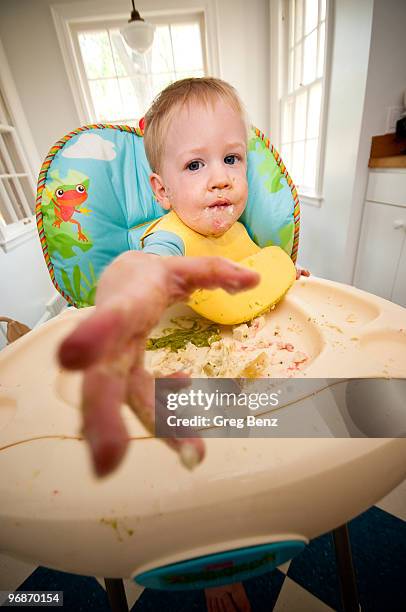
163	243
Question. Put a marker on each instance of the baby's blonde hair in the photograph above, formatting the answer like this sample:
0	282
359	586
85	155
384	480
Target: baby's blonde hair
204	90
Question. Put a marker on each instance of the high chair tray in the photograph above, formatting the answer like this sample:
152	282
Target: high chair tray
247	492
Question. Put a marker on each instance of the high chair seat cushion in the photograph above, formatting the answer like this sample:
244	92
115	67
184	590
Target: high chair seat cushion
94	201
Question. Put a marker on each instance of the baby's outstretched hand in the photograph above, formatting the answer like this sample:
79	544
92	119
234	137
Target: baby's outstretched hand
109	345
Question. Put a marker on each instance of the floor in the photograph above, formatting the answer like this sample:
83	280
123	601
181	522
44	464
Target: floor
306	584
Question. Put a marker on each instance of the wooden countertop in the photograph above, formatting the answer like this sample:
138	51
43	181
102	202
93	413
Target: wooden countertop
387	152
396	161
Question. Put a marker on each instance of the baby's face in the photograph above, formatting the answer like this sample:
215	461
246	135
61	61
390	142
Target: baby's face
203	174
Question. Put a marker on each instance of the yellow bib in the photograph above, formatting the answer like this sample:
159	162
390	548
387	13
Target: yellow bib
235	243
272	263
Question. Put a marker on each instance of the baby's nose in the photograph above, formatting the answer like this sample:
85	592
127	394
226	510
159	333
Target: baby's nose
220	185
220	180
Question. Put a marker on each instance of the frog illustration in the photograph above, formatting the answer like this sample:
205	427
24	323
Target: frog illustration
67	200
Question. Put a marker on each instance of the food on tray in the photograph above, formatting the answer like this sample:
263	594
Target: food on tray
188	330
201	349
277	275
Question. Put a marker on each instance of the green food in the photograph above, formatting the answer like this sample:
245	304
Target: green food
189	330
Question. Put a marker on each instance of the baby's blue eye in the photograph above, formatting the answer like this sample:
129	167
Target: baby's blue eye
195	165
230	159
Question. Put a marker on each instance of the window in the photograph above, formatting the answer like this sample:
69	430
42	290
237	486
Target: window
302	91
118	84
17	187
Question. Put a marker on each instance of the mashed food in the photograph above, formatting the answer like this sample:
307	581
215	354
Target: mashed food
249	351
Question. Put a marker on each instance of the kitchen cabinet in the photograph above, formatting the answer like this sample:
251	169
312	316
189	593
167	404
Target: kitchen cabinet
381	261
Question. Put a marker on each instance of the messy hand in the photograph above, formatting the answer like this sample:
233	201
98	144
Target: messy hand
108	346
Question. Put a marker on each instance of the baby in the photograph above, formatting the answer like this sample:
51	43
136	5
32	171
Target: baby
196	144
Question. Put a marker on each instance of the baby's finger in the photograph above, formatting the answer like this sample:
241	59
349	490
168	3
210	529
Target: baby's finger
189	273
191	450
301	272
149	408
184	440
94	338
140	395
103	426
176	381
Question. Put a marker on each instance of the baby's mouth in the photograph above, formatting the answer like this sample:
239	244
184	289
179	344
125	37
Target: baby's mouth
222	204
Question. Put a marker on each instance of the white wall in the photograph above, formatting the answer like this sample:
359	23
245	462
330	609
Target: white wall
25	283
32	281
368	75
30	43
244	53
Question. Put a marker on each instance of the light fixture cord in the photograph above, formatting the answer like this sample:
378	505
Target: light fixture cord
135	16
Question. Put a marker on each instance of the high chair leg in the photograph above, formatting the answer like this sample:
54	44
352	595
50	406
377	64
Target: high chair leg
345	567
116	594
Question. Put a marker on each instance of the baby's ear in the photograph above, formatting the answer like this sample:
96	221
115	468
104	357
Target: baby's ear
160	191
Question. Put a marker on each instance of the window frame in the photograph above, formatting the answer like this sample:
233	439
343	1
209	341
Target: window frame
97	25
279	16
68	16
16	233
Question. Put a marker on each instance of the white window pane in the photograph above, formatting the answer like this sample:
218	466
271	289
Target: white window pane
120	53
188	73
144	91
96	54
311	15
135	95
322	42
10	203
187	47
298	163
299	130
123	83
129	62
160	81
290	72
286	154
291	23
106	99
310	58
162	57
309	178
322	10
298	19
287	121
313	121
298	67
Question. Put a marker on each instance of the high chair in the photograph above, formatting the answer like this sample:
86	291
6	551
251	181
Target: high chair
170	528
